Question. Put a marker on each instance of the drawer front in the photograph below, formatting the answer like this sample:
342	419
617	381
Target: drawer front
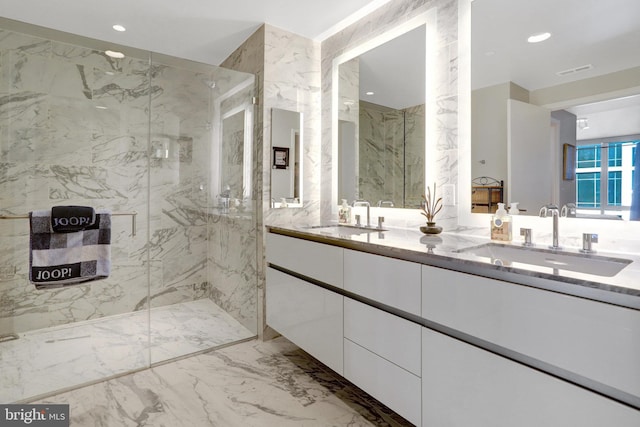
387	280
592	339
384	334
307	315
315	260
463	385
390	384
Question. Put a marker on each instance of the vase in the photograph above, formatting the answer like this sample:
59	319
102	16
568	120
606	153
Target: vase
431	228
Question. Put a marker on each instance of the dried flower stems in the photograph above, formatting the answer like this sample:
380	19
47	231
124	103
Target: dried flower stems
431	206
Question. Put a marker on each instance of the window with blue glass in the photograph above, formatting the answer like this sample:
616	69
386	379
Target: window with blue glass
614	190
615	154
588	156
604	174
588	189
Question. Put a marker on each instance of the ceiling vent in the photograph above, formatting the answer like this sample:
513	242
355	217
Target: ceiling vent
574	70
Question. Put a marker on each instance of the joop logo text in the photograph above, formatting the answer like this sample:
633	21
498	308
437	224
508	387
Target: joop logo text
72	220
60	273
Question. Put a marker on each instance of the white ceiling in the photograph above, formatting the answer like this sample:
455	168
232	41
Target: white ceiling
201	30
395	71
605	34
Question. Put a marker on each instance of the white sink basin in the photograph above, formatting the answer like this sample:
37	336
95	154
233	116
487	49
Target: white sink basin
344	230
501	254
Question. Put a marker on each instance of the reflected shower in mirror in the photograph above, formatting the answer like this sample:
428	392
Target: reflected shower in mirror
381	123
234	185
530	101
286	155
232	154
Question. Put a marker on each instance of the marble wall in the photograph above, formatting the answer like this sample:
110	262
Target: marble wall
443	108
73	130
132	134
287	69
391	154
294	73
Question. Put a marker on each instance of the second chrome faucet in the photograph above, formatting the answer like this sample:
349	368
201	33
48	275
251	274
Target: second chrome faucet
554	212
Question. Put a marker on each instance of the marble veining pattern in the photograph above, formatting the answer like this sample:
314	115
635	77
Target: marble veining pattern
443	157
249	384
287	69
79	127
47	360
391	154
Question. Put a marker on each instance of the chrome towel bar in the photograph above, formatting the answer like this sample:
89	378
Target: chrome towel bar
133	215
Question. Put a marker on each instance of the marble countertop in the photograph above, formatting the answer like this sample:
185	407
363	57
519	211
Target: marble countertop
441	250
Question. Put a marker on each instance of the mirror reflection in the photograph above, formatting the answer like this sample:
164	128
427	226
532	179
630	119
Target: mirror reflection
286	150
235	160
557	121
381	123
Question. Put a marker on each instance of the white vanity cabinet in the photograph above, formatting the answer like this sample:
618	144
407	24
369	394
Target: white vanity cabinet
463	385
393	282
584	340
376	350
446	348
382	349
308	315
591	339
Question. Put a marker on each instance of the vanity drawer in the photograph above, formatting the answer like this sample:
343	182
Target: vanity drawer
463	385
393	282
316	260
592	339
384	334
309	316
397	388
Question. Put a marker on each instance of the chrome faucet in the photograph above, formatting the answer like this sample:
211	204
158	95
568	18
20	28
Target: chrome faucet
368	205
552	210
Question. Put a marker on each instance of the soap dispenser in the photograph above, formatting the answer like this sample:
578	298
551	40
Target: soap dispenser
344	213
501	225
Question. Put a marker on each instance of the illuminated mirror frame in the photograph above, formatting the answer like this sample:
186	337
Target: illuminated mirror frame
218	117
429	19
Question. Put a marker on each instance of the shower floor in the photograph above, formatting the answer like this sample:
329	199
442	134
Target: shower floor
62	357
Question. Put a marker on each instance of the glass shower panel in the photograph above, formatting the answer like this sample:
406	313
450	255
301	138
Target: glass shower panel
73	131
186	316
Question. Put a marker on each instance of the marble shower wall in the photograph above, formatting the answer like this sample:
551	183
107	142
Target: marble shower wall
287	69
391	154
133	134
73	130
443	159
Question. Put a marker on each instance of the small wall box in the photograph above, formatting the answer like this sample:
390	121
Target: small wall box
280	158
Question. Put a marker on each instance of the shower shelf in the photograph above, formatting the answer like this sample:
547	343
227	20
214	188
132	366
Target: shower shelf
133	215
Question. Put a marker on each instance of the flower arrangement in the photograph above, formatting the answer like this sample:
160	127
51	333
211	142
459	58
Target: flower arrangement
431	206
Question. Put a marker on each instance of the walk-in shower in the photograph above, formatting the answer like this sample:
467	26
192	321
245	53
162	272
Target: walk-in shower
137	135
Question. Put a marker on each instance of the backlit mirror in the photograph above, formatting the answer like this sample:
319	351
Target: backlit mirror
381	122
233	187
286	152
557	121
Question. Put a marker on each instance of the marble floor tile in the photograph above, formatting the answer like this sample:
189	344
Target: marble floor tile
253	383
46	360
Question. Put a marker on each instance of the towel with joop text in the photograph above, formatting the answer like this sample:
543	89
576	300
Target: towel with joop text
58	259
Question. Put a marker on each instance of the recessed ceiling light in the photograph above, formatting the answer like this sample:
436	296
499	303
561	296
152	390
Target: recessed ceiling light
369	93
119	28
537	38
114	54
